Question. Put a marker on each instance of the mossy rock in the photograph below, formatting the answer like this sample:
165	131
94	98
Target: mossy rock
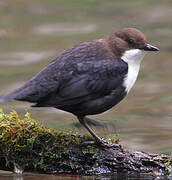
27	145
31	146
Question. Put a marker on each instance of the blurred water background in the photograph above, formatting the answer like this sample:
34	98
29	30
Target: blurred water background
34	32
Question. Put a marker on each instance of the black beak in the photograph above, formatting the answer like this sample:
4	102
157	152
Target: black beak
149	47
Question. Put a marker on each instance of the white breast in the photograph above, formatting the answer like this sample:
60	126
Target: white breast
133	58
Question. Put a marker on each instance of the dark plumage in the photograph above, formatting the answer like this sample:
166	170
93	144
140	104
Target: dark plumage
84	80
75	79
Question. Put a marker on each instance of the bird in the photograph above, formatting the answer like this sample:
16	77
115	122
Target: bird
89	78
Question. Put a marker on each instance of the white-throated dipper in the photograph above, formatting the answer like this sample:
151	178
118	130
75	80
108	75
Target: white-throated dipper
89	78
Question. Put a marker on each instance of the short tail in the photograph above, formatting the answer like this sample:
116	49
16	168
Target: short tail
6	98
10	96
2	100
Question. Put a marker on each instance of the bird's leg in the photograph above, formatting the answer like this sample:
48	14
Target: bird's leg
84	123
100	141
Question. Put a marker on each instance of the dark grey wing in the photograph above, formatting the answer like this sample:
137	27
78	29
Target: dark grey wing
47	81
86	81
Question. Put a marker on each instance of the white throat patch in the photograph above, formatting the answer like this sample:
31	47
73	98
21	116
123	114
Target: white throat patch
133	57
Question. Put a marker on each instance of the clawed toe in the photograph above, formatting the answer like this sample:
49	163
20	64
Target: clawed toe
101	142
108	144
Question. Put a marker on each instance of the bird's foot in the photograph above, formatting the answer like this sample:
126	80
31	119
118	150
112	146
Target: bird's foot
101	142
106	144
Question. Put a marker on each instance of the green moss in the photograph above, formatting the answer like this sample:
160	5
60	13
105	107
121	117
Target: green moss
25	143
21	133
169	165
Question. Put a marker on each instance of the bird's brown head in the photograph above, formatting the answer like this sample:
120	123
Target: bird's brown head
127	39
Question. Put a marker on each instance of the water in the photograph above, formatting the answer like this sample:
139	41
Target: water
32	33
28	176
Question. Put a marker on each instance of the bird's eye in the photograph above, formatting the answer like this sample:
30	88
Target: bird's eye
130	41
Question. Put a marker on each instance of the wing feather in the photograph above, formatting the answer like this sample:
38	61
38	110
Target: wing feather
88	81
